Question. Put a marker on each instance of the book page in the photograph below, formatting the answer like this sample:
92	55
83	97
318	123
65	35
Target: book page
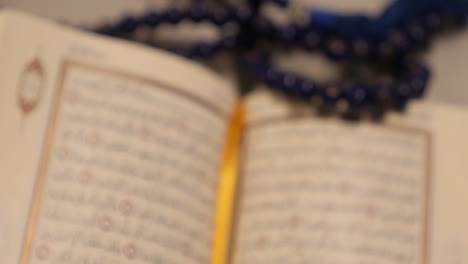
321	190
110	151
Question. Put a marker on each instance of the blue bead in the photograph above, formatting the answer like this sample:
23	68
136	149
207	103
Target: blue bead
273	77
179	49
336	49
175	15
383	92
229	41
217	47
361	48
332	93
358	95
307	89
398	39
198	13
288	33
289	83
128	24
402	91
420	71
152	19
385	49
107	30
257	65
220	17
418	87
417	33
312	39
203	50
263	26
432	22
241	14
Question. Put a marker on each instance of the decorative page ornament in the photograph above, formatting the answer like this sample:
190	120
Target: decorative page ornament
30	87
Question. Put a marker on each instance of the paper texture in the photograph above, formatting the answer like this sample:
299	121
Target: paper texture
110	152
322	190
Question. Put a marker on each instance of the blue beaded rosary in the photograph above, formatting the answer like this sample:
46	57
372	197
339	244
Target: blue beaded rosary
386	43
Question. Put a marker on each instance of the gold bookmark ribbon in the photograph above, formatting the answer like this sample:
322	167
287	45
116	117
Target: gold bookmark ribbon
227	188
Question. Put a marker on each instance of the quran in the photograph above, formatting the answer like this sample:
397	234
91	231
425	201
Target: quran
112	152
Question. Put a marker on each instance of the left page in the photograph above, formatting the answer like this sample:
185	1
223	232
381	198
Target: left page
109	151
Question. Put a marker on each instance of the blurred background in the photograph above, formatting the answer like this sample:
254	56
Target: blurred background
447	56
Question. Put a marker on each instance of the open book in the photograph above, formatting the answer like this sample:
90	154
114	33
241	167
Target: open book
112	152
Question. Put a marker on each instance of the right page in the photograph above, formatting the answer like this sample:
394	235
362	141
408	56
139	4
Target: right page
321	190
